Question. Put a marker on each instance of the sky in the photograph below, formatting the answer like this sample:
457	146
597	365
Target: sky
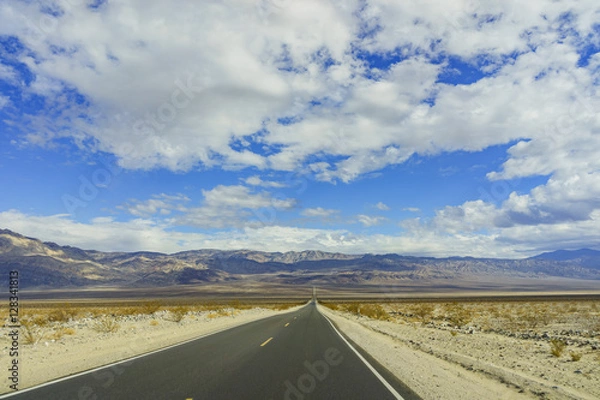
429	128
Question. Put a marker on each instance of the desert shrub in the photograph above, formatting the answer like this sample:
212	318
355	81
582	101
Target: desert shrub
375	311
424	311
352	308
575	356
458	315
238	305
153	322
59	333
62	314
150	307
177	314
106	325
557	347
31	335
453	333
125	311
35	320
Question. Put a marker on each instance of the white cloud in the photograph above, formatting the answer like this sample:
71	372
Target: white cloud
8	74
262	61
255	180
318	212
4	100
234	207
161	204
142	234
382	206
161	97
412	209
368	220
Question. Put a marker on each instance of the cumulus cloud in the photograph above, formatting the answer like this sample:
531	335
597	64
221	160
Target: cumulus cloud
161	204
261	61
367	220
287	86
255	180
143	234
234	207
318	212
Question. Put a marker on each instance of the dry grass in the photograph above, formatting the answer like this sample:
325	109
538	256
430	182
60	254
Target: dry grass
557	347
106	325
32	335
60	332
176	314
550	317
150	307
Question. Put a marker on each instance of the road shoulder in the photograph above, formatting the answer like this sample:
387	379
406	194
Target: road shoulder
428	376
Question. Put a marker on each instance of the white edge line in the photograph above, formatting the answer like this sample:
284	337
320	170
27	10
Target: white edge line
89	371
373	370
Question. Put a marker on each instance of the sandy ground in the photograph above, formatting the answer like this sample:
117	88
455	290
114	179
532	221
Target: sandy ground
466	364
85	348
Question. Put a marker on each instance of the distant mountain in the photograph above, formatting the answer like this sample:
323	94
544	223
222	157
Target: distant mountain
49	265
585	257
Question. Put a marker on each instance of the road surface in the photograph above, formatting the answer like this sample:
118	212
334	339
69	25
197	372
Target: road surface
294	356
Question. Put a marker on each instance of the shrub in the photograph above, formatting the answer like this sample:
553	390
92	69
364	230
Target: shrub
575	356
32	335
153	322
150	307
375	311
106	325
59	333
557	347
62	314
238	305
332	306
352	308
424	311
177	314
35	320
458	315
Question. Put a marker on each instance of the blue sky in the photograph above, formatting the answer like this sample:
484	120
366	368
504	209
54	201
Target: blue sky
355	126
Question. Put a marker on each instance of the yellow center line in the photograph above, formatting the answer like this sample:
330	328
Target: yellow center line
267	341
286	324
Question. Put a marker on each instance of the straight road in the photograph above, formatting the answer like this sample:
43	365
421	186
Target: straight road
294	356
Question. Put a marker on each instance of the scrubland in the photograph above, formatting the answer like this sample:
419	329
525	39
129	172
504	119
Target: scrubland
543	349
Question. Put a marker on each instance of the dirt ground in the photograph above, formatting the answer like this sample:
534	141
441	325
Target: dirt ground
545	349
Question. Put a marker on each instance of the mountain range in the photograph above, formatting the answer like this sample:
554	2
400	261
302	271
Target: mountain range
49	265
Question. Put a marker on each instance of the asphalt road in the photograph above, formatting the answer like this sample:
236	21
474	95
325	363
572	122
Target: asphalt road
293	356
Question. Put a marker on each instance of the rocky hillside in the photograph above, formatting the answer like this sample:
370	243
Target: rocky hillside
44	264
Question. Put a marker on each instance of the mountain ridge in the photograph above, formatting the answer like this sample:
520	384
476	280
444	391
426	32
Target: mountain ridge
47	264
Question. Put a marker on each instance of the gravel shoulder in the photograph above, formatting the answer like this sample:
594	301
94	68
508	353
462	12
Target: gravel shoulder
439	365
